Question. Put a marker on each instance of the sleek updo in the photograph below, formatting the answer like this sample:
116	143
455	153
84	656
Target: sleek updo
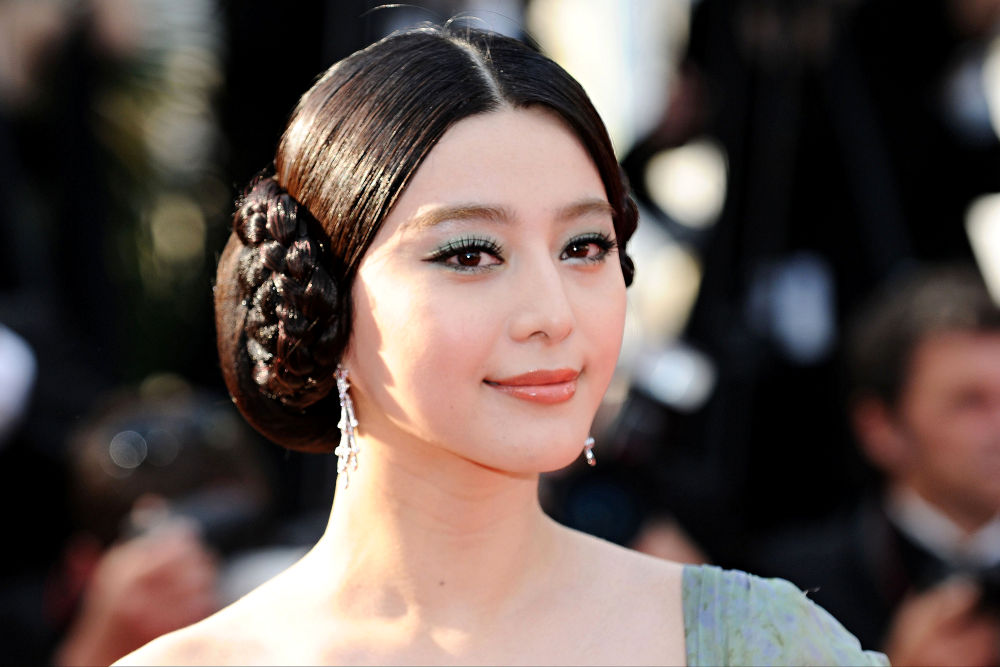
282	296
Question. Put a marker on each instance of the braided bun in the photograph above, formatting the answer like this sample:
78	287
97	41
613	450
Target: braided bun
291	327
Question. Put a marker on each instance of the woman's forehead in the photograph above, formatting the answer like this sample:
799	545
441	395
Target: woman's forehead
502	165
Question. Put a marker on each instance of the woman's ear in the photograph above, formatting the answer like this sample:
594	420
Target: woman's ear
882	438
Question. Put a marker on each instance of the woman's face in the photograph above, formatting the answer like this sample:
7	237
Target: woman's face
488	312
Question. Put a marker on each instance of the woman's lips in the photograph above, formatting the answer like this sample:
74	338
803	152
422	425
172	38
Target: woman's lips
547	387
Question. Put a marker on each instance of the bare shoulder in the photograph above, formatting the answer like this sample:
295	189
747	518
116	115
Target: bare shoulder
657	581
629	566
213	641
176	648
638	597
248	631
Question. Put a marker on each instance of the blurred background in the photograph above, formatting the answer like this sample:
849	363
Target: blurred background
788	158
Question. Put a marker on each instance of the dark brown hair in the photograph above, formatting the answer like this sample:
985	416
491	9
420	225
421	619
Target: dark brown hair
905	312
283	308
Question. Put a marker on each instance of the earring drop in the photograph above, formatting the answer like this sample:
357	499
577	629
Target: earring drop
347	450
588	452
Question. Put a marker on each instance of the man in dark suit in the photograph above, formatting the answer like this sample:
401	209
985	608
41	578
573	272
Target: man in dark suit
908	569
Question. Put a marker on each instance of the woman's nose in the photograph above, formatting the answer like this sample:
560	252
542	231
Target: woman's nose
544	309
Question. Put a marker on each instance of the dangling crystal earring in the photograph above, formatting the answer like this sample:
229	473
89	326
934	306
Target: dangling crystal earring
588	451
347	450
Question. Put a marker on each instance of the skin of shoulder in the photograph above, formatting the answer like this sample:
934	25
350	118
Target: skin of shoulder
654	576
639	597
600	549
230	636
210	641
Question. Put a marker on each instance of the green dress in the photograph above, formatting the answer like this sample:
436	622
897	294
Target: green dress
735	618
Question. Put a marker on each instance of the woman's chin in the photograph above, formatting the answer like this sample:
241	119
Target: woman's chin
540	462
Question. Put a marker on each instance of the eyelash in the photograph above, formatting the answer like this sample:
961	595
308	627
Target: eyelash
604	242
467	245
472	244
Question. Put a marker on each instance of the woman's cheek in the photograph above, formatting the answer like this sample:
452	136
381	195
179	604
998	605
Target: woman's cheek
601	310
443	327
615	323
460	322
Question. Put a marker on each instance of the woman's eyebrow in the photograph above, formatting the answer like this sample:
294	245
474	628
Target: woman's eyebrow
502	214
589	206
437	215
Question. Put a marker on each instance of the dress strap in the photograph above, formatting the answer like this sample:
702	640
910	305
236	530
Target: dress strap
735	618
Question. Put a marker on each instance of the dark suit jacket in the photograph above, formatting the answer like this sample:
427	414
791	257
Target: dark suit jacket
857	566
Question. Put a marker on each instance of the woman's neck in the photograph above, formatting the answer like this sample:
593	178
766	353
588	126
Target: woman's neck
435	538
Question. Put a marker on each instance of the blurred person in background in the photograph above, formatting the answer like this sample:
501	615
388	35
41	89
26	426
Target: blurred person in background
165	488
915	569
854	135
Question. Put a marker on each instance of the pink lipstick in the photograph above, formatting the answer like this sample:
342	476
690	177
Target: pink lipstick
544	386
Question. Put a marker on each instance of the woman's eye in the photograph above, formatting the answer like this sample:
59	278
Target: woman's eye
589	248
468	255
472	259
579	250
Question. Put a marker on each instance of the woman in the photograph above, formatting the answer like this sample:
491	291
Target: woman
441	253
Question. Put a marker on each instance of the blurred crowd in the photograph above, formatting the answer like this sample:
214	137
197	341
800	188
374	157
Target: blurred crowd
810	386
